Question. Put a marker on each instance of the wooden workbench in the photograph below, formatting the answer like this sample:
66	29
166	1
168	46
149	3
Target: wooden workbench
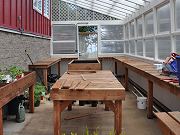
98	85
11	90
148	71
45	66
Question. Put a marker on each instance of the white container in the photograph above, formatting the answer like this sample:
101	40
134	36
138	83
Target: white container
141	102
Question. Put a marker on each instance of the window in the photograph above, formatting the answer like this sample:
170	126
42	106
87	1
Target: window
149	27
37	5
132	47
126	31
112	47
127	46
178	44
163	18
47	8
132	29
64	39
149	48
140	47
164	47
177	13
139	27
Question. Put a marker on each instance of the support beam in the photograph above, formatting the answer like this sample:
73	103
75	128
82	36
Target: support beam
31	99
57	117
118	117
126	78
150	100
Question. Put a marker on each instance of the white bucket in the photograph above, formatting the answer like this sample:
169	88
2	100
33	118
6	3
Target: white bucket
141	102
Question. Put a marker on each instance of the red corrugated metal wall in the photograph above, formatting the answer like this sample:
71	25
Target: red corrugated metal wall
19	14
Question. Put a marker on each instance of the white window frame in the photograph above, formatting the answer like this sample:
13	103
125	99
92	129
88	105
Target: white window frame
47	7
35	7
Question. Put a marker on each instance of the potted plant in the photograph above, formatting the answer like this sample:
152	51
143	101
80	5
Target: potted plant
15	72
39	89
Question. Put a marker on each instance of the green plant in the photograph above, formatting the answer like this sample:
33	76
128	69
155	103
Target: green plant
15	71
1	76
39	89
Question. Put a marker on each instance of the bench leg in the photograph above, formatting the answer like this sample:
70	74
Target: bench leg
1	122
118	117
57	118
150	100
31	99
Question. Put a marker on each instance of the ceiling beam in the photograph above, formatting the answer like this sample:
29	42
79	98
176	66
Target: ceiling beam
135	3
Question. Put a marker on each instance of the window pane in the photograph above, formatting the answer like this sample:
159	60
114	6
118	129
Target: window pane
140	47
66	32
178	44
126	31
177	4
163	18
164	47
127	46
111	32
132	47
132	29
149	27
112	47
149	48
139	27
64	48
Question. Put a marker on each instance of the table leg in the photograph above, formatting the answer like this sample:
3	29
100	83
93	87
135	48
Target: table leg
126	79
118	117
150	100
58	68
31	99
45	74
1	122
57	117
70	107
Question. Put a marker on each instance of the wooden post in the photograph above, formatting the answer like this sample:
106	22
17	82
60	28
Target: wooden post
150	100
69	107
126	78
118	117
59	68
116	68
57	117
106	107
1	122
31	99
45	74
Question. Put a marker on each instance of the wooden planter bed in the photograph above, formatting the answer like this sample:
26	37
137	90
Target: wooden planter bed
11	90
84	65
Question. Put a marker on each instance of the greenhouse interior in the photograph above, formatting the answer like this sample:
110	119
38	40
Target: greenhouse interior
89	67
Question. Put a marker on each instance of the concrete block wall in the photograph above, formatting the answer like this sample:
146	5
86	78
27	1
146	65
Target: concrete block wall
13	46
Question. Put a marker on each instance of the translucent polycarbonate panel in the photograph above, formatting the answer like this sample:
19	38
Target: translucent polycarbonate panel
112	47
64	32
139	47
127	46
112	32
126	32
163	18
177	13
149	23
132	47
71	12
178	44
164	47
88	46
132	29
149	48
139	27
64	48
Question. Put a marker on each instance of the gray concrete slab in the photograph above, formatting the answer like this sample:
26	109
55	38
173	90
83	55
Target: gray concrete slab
135	121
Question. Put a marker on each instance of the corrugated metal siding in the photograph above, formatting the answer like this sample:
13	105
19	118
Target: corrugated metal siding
19	14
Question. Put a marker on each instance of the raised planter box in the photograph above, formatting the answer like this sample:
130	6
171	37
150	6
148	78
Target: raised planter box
84	65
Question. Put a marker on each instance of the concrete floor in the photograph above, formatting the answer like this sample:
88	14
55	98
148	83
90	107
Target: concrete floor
41	122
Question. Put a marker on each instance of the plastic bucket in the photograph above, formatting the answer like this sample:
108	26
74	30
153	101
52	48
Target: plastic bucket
141	102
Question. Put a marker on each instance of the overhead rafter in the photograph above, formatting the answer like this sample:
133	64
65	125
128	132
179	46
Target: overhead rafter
102	11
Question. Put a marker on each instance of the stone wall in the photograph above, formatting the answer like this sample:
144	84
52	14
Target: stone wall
13	46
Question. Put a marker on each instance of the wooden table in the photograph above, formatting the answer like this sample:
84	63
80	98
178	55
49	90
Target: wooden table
45	65
99	85
11	90
148	71
169	122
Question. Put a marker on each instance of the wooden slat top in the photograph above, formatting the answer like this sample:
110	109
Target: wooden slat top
148	70
172	124
102	85
175	116
45	63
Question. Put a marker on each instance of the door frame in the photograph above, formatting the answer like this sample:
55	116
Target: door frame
78	25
